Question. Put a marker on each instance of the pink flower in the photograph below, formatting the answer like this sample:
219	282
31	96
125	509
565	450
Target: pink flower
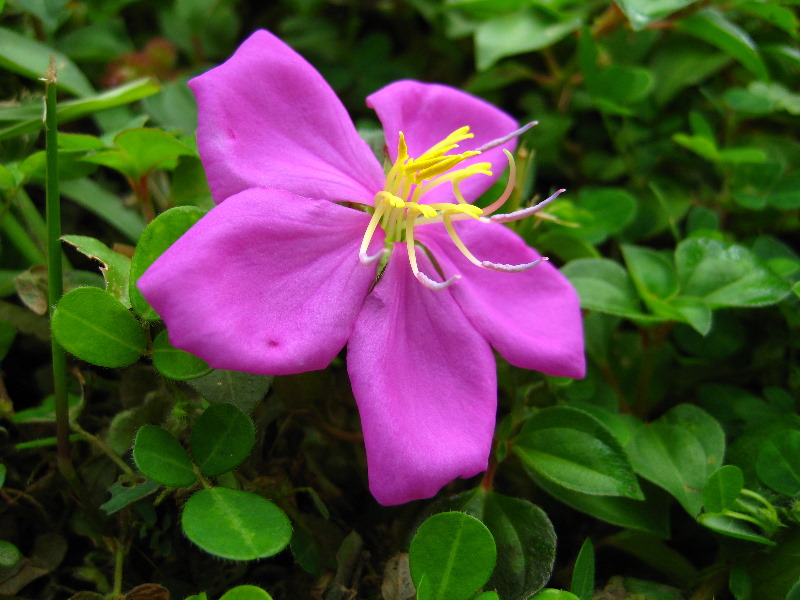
282	273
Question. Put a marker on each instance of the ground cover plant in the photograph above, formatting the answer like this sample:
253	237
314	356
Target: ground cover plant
619	421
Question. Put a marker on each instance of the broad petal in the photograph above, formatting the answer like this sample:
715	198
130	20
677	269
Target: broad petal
425	384
426	113
267	282
267	118
531	318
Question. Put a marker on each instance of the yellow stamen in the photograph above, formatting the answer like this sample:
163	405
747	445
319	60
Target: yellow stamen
400	207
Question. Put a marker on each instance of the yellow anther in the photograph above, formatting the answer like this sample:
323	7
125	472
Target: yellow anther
424	209
400	206
462	209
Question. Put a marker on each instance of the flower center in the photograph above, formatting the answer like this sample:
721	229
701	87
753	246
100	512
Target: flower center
398	207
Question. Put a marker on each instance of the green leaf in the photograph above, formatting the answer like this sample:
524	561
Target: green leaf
109	207
651	516
740	584
778	462
9	554
126	491
653	273
91	324
244	390
673	459
722	489
693	311
574	450
612	209
115	267
554	594
603	285
156	238
582	584
794	593
30	58
733	528
159	456
174	363
623	85
711	25
455	552
3	473
245	592
775	573
702	426
783	18
516	33
235	524
28	119
679	63
46	411
524	536
139	151
98	42
643	12
222	437
726	274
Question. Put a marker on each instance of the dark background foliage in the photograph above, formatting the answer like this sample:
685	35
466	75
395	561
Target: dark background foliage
673	126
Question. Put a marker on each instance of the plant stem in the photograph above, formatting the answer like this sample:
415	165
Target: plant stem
55	285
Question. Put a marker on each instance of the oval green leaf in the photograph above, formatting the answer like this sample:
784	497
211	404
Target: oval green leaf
778	463
9	554
651	515
246	592
711	25
673	459
574	450
161	457
89	323
222	437
523	534
455	552
156	238
554	594
235	524
174	363
722	489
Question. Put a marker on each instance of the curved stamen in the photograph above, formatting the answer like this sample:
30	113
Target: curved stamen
363	257
502	268
506	138
512	180
525	212
484	264
412	259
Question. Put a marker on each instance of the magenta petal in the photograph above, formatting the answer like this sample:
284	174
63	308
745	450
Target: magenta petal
267	282
531	318
426	113
267	118
425	385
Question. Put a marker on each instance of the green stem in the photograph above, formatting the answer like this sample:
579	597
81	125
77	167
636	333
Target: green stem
55	286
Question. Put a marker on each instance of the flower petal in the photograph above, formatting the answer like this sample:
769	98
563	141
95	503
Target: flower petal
267	118
531	318
425	384
426	113
267	282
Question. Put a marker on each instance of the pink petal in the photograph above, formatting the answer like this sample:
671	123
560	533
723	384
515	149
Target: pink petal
425	385
267	282
268	118
426	113
531	318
